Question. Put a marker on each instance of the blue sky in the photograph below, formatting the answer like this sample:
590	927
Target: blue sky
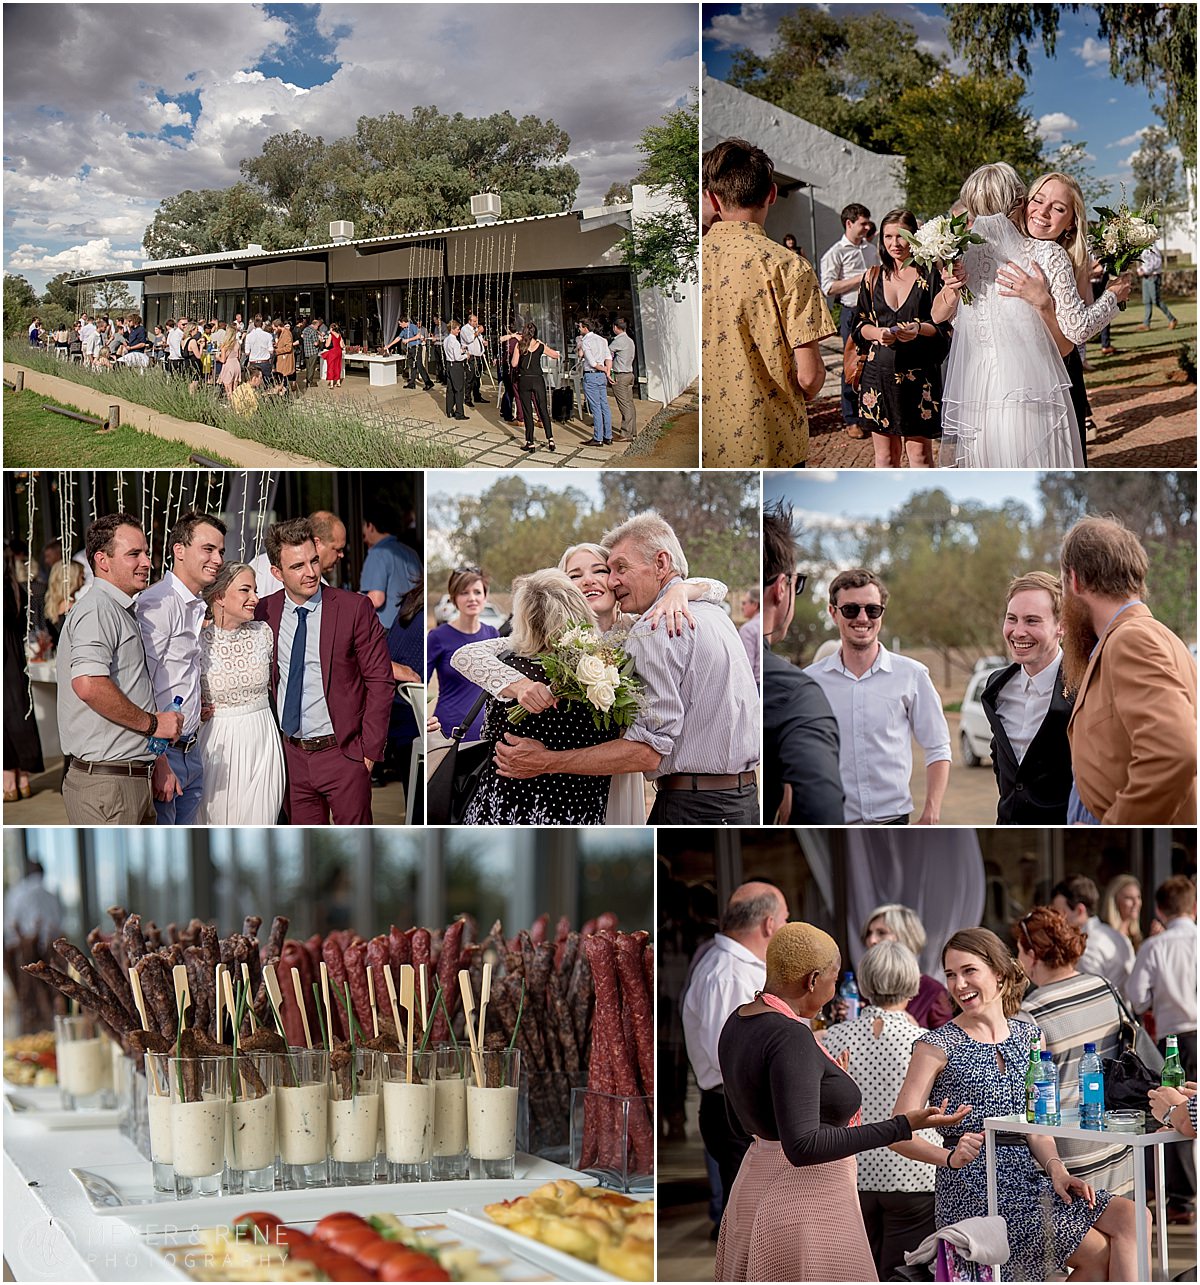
1072	96
108	109
867	493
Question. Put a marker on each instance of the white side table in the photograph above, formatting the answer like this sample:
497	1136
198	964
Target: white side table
1070	1129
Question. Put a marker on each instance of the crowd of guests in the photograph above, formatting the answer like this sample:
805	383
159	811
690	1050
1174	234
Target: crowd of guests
767	309
794	1087
1093	721
220	692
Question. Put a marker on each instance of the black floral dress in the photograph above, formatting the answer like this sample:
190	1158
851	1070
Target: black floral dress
901	390
558	798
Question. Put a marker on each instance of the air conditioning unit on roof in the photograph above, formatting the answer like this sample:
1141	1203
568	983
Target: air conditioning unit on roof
341	230
485	208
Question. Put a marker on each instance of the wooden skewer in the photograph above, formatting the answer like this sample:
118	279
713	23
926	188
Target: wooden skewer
183	995
407	1002
468	999
328	1010
300	1000
374	1006
424	975
391	990
230	1005
485	994
249	998
218	973
135	984
273	990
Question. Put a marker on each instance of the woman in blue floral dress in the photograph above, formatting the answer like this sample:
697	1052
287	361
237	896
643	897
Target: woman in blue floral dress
1055	1220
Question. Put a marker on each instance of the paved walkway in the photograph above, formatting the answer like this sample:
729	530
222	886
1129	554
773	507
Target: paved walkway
1145	426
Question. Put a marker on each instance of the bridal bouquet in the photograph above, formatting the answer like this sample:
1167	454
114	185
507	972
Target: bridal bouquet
942	240
581	666
1121	237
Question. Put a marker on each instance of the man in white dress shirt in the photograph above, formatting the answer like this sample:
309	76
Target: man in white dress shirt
843	267
170	615
1164	979
454	356
1109	954
724	976
471	337
1027	709
882	703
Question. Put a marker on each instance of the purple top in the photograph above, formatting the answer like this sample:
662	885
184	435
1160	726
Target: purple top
456	694
930	1007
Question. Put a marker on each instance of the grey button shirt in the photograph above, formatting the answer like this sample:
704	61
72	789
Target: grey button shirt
100	638
622	349
314	712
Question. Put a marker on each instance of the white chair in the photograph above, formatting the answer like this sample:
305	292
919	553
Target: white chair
414	693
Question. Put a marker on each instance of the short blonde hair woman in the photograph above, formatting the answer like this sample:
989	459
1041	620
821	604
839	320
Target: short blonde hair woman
797	1181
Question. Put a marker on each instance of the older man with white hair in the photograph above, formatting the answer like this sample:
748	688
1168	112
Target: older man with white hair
696	736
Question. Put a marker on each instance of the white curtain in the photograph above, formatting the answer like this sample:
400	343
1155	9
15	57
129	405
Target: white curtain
540	301
938	873
393	298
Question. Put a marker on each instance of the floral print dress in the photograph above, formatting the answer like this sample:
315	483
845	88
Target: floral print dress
1043	1231
901	389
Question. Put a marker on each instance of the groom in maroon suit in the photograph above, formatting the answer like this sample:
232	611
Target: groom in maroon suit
332	679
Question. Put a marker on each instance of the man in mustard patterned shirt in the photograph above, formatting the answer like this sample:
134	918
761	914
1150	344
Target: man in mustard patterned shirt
763	316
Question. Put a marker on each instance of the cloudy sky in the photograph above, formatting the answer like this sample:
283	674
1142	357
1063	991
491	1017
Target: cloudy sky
110	108
1072	96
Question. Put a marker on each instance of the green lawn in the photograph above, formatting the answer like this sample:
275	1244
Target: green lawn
1143	356
33	437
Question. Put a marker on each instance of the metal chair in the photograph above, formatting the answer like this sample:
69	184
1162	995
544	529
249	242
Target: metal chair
414	693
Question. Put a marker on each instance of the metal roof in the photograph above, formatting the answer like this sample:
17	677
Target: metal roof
248	258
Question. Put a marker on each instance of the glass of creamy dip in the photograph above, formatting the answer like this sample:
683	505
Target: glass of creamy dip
492	1112
158	1114
199	1098
450	1113
250	1125
408	1110
84	1064
302	1117
354	1115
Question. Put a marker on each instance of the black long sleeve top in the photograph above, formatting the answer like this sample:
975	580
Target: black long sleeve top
783	1088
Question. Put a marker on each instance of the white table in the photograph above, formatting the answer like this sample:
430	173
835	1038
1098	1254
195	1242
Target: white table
381	366
43	676
1070	1129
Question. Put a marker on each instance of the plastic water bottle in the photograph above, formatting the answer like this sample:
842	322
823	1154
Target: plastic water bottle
1031	1077
1045	1108
1172	1072
1091	1090
157	745
848	994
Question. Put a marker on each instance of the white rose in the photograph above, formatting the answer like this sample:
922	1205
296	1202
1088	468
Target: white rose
590	670
612	674
602	695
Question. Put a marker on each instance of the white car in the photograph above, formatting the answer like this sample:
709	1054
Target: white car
445	610
974	731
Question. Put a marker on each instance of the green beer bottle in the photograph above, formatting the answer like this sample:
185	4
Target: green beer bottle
1172	1072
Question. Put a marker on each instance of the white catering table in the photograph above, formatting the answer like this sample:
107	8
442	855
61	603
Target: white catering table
380	366
1138	1141
43	675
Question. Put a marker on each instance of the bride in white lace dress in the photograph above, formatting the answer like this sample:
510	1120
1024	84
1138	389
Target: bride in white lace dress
587	565
1007	397
239	739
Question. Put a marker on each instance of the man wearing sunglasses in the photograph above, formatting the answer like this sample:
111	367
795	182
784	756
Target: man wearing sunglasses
883	702
802	784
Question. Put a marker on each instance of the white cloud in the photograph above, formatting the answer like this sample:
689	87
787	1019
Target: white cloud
1135	137
1093	52
93	256
753	27
1054	126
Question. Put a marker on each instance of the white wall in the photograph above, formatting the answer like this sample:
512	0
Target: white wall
670	322
841	171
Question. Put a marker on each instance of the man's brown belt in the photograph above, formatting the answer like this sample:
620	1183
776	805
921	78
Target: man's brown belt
132	768
695	781
312	745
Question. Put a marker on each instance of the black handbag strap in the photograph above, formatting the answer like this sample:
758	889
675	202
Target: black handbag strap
461	730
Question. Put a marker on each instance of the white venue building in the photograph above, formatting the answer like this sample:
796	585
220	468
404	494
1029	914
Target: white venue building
818	173
549	269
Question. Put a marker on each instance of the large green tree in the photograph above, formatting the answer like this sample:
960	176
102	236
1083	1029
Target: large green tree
661	248
1149	44
1156	172
20	303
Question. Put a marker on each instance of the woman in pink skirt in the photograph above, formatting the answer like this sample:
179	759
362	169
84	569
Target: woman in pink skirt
793	1214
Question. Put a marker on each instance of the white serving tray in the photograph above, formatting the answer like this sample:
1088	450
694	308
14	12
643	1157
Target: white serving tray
126	1191
478	1228
44	1106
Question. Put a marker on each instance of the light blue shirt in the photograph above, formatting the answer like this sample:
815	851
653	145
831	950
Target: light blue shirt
314	712
390	568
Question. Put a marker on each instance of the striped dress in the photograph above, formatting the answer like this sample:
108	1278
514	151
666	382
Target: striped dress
1071	1013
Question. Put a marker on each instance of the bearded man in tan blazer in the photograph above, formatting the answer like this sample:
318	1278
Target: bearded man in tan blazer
1133	728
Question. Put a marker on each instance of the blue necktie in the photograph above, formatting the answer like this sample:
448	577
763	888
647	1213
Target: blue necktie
293	697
